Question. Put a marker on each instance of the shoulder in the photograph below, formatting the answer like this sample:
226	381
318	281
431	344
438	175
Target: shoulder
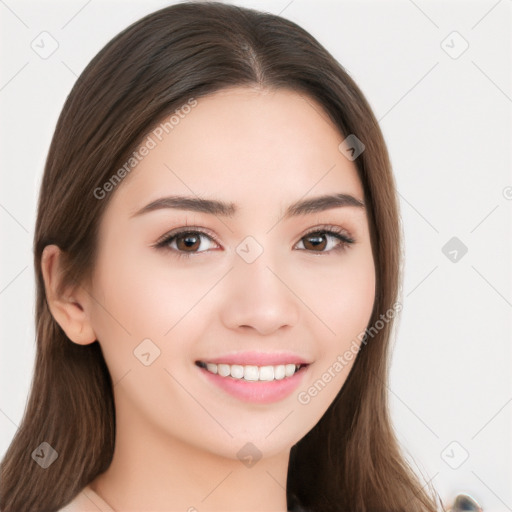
87	501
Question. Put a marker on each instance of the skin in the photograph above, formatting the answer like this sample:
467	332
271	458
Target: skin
177	436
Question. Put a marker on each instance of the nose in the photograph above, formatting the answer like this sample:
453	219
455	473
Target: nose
259	296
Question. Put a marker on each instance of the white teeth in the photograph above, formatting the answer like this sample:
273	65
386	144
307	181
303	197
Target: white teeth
211	367
237	371
279	372
223	370
289	370
251	372
267	372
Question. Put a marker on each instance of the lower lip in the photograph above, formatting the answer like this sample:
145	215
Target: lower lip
260	392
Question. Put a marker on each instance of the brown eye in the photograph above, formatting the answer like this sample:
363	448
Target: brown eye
185	243
188	241
315	241
334	239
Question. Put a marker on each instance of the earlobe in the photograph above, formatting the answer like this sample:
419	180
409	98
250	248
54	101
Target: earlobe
70	310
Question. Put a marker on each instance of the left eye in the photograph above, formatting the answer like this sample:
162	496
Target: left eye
318	239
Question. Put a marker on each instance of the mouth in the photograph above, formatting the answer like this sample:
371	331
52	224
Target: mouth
253	373
252	383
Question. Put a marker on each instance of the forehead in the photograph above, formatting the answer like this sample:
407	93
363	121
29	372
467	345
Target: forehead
243	145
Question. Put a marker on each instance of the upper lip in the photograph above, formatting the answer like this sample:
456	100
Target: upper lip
257	358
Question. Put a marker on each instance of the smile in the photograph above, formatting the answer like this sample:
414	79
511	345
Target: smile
252	372
254	384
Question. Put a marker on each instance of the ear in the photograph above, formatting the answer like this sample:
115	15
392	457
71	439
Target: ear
71	309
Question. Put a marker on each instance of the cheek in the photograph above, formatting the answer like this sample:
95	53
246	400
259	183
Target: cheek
344	307
349	301
137	299
342	297
138	296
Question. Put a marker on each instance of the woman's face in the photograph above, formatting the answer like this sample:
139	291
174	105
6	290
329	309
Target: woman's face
246	278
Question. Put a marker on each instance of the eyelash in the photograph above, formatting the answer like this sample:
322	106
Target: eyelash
333	231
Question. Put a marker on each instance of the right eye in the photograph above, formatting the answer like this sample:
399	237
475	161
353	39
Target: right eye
184	242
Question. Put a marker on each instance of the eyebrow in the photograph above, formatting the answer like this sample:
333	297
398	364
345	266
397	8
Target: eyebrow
220	208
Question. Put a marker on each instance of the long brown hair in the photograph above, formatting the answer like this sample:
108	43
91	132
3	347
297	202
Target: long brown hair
350	460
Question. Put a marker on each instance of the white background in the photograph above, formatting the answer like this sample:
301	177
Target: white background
447	123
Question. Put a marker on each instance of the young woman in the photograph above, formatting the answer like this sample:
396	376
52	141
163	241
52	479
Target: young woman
217	252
